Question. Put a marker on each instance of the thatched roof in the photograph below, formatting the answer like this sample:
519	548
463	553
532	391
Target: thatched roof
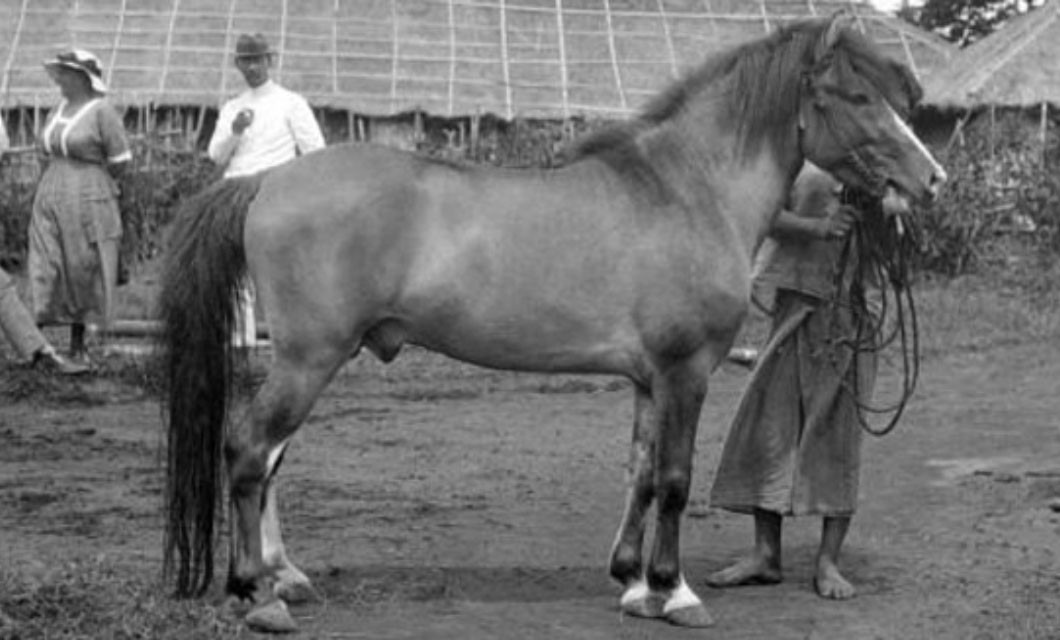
1018	65
534	58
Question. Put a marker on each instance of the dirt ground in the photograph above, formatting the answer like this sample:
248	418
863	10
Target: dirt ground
429	499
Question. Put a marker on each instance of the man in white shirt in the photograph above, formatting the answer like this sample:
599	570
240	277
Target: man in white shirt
266	125
261	128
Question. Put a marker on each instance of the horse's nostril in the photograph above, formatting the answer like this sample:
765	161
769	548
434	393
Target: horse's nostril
938	178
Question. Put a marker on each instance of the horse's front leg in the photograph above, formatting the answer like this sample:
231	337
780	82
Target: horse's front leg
679	392
627	564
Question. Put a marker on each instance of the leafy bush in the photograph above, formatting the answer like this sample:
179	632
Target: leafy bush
1039	197
1002	197
151	188
17	188
959	230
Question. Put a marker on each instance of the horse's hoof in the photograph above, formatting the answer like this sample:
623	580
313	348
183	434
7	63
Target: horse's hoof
641	602
647	607
271	617
296	592
695	616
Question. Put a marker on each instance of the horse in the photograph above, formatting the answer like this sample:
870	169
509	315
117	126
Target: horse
632	259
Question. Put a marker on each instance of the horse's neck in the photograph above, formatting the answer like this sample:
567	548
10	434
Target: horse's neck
726	186
756	188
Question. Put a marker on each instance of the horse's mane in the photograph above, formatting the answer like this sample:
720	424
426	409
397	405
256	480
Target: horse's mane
762	97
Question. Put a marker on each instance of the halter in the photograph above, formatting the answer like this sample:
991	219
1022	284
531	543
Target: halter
876	182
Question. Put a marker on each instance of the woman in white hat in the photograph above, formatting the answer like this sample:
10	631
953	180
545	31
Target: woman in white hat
76	225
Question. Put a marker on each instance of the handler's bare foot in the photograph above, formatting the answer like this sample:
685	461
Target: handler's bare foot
831	584
754	569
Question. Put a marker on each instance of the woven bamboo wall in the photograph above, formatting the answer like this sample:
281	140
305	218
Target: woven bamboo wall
509	58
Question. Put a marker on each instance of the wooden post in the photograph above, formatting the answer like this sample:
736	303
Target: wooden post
149	159
992	122
200	119
417	128
473	144
1044	131
958	129
24	129
36	117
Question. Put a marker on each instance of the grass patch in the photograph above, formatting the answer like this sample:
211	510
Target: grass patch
976	313
95	599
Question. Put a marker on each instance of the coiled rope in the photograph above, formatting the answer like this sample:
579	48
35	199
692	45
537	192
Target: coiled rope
879	251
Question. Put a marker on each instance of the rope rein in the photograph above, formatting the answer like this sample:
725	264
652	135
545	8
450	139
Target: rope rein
880	251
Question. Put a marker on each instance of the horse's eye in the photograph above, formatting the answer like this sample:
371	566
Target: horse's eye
859	98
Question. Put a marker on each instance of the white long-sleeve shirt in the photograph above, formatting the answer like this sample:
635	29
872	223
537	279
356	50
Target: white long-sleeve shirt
283	125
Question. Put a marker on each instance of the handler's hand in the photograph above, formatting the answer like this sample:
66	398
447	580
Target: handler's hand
839	220
894	203
242	120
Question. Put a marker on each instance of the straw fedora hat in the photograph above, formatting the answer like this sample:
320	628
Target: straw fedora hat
252	46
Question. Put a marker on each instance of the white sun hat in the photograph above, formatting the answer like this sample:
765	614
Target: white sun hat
84	61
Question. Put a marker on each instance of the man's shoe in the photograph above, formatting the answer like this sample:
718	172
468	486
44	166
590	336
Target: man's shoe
49	360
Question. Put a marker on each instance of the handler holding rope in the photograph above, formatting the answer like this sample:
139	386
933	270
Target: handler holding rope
794	446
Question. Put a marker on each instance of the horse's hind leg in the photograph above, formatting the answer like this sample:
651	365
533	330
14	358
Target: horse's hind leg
254	453
627	564
292	585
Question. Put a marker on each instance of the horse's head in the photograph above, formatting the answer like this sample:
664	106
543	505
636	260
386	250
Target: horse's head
852	116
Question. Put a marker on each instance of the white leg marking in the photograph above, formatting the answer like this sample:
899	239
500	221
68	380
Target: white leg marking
271	541
681	598
274	456
636	591
272	550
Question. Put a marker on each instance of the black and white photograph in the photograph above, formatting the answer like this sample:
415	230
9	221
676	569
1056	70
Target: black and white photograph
530	319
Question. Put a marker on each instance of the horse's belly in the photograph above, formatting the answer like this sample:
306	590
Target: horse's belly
530	342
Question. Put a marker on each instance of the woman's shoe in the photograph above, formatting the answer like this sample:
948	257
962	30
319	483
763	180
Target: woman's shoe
49	360
744	356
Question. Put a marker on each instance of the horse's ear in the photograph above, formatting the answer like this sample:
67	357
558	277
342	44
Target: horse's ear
840	21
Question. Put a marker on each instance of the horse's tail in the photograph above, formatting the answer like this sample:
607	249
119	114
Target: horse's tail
203	272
